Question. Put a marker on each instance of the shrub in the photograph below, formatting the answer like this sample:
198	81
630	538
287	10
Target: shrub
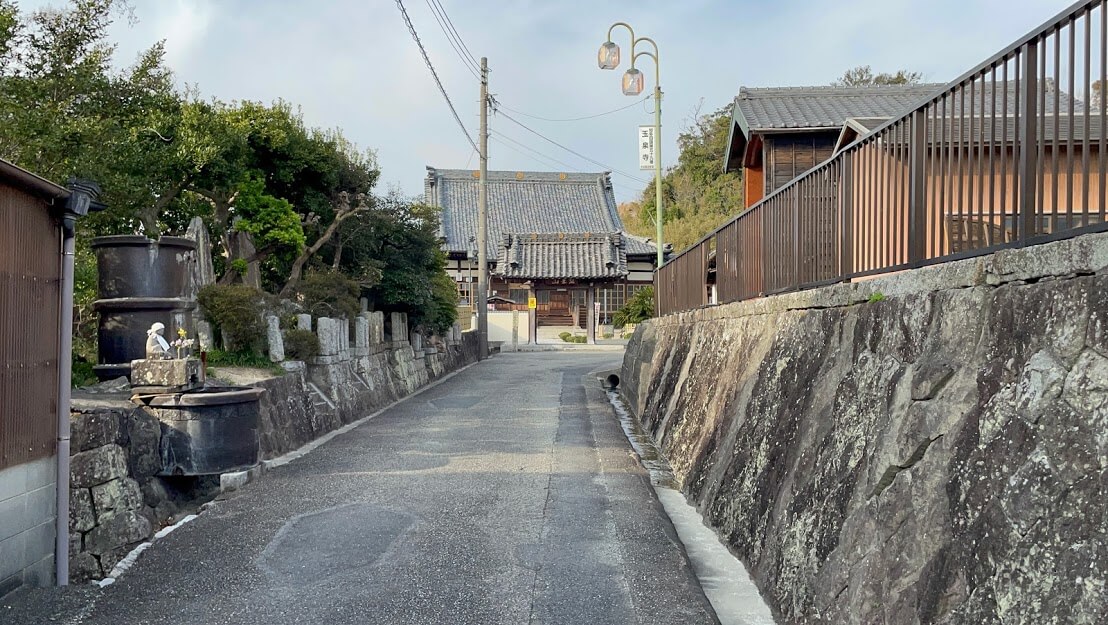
236	310
220	358
301	344
638	309
82	373
565	336
329	294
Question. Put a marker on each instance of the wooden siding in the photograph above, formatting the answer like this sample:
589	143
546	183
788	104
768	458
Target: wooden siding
789	155
30	268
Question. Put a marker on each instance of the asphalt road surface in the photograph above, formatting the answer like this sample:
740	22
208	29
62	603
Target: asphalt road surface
507	494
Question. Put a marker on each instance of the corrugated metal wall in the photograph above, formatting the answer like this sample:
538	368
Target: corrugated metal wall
30	271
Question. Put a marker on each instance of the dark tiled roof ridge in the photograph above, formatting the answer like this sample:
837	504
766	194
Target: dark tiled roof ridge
528	176
562	236
825	90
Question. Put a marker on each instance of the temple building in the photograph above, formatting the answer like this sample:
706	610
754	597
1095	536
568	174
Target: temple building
553	236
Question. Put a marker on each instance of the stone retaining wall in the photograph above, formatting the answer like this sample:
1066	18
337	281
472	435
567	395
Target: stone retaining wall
927	447
117	501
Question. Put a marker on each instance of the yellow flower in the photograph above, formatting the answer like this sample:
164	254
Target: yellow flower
181	332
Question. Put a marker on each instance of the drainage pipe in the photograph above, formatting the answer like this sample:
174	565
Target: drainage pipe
65	375
81	199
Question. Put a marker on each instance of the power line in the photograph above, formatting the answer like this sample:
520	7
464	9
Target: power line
575	119
427	60
533	157
503	137
457	36
442	25
546	160
570	150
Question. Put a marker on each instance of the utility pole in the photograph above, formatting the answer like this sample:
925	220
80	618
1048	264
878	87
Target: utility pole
483	222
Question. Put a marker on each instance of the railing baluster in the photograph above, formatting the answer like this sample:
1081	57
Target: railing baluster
1102	161
1085	126
1028	176
917	199
1056	181
1070	160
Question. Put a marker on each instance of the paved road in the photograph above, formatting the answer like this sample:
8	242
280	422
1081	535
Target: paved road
507	494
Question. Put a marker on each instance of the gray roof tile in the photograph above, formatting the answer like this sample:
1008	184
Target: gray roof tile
526	202
765	109
779	108
594	256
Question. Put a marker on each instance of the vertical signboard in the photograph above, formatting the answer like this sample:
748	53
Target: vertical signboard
646	147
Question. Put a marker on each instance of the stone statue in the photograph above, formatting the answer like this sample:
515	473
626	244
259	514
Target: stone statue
156	346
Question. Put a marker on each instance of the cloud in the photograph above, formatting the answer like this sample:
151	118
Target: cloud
352	63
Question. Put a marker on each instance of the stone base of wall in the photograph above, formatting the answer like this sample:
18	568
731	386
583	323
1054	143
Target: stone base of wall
312	400
927	447
115	499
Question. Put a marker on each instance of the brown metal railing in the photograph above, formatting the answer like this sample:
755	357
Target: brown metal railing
1010	154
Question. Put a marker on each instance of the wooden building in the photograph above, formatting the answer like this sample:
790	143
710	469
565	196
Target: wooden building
31	352
779	133
554	236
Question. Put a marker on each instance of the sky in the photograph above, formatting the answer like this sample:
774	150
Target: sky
352	64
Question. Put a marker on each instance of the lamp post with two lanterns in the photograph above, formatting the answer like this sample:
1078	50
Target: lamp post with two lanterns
608	58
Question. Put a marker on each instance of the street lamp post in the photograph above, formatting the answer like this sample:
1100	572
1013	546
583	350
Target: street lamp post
608	58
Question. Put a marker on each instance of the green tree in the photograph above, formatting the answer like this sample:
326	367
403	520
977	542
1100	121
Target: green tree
638	309
697	194
271	222
401	237
863	75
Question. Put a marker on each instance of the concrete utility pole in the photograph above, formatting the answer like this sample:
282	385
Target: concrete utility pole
483	222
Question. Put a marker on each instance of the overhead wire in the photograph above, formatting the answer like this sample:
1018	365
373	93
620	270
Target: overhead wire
570	150
470	62
427	60
534	157
550	159
457	36
573	119
466	61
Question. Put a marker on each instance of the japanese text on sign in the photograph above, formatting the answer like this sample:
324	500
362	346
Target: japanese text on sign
646	147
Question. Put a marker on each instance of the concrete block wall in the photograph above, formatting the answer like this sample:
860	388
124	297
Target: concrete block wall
27	516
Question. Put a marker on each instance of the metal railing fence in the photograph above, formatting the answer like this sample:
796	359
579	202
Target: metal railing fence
1010	154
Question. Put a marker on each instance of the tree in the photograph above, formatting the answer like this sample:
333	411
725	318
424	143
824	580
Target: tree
345	210
401	236
696	193
64	110
863	75
270	221
637	309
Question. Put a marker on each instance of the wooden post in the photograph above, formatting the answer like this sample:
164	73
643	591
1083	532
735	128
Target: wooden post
590	314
